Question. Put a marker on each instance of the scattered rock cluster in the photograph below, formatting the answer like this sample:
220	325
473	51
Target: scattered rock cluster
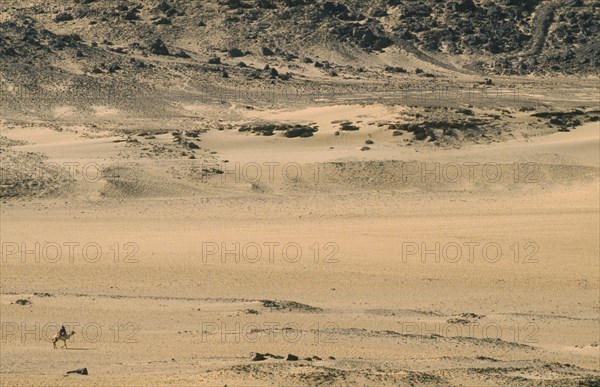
289	130
255	356
568	119
432	129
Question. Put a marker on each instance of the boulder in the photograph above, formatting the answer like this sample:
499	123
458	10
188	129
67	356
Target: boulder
266	51
420	135
62	17
235	53
159	48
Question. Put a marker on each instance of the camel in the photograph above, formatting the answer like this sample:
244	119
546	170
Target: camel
63	338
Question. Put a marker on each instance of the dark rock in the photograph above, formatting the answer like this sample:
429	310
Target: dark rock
258	357
421	135
285	77
380	13
392	69
235	53
339	11
255	74
215	61
138	63
291	357
365	148
23	302
370	36
80	371
369	142
300	131
10	52
267	51
62	17
113	68
163	6
463	6
163	21
132	14
182	54
159	48
347	126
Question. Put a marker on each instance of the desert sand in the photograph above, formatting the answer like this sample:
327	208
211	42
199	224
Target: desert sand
187	237
336	268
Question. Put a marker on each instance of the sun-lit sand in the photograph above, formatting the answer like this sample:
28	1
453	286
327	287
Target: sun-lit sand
300	193
357	257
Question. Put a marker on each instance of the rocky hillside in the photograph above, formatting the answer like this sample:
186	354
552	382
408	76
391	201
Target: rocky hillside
110	43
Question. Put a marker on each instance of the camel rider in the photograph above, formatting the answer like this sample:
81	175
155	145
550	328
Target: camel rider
63	331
